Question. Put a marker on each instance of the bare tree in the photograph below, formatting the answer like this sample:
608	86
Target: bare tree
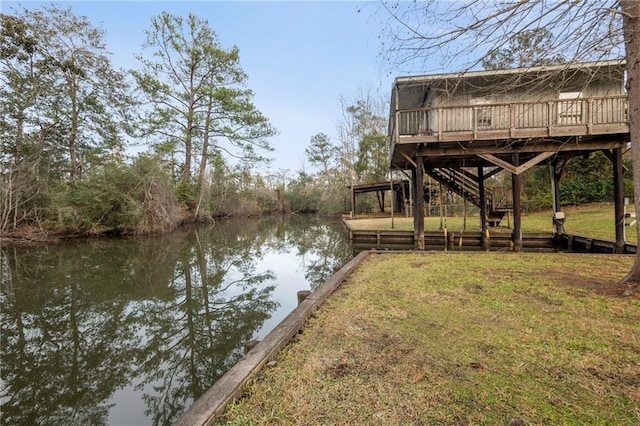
441	35
363	114
630	10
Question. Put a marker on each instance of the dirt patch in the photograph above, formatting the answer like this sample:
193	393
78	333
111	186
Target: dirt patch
598	286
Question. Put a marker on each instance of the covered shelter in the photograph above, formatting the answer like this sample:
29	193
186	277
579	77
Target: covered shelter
400	193
461	128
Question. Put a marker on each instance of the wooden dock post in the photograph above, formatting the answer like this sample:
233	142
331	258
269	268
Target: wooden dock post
250	344
303	294
483	209
419	200
418	218
517	208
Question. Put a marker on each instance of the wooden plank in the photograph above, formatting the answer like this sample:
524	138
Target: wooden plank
533	147
577	130
534	161
603	129
214	401
500	163
409	159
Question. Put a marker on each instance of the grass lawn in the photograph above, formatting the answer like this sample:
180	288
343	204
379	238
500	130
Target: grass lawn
593	220
462	338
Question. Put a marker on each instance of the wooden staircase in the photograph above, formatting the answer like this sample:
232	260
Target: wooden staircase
499	199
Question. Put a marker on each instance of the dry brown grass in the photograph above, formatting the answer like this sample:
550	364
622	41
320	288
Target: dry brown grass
462	338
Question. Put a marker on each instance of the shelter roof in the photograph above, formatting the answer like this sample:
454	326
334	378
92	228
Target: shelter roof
378	186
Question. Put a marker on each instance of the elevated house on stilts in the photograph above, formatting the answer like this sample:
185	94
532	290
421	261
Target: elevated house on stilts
461	128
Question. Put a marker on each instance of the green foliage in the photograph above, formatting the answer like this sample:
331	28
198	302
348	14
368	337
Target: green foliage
196	92
98	202
373	158
62	113
121	197
302	195
584	180
187	194
320	153
587	180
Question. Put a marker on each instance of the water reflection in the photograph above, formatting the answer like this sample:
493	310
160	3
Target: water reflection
159	319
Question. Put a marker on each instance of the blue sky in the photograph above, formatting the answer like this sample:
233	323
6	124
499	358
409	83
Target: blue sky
299	56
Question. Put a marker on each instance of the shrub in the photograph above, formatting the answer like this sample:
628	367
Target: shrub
135	198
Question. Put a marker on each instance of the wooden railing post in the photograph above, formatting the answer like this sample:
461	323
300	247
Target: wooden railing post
512	120
474	121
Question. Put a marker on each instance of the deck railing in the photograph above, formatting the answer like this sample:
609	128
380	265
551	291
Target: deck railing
586	112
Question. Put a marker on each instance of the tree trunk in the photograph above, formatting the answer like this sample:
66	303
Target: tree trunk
188	140
73	134
631	27
203	159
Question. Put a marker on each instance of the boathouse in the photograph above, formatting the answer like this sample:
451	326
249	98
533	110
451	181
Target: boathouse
461	128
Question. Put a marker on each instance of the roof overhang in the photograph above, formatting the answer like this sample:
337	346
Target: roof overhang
605	67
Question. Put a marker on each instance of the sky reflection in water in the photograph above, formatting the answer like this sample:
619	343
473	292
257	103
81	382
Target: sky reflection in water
131	331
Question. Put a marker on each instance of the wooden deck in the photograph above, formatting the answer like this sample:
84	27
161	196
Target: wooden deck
465	135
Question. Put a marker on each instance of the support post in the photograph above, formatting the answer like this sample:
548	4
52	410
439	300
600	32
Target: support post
555	189
353	203
558	222
618	194
483	208
411	189
418	201
393	201
412	197
517	209
441	206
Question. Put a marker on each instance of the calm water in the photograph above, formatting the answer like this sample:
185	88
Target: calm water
129	332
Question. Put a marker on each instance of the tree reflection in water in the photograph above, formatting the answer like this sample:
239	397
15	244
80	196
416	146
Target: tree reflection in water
167	315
